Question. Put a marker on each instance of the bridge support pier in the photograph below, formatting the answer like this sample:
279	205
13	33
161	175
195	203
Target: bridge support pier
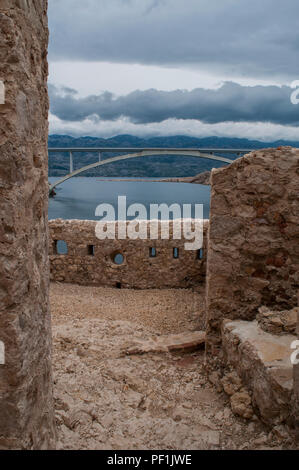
71	163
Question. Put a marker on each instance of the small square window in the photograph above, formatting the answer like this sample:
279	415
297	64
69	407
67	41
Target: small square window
60	247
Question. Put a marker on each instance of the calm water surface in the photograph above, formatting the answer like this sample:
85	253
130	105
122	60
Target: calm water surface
78	197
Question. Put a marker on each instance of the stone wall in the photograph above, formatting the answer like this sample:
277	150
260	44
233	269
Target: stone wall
296	388
253	247
90	261
26	407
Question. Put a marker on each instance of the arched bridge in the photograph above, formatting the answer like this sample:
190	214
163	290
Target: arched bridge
138	153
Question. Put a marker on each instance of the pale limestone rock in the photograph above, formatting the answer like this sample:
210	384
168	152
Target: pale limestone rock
262	360
177	342
241	404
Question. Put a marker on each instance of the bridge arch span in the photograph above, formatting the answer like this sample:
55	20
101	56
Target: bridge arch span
143	153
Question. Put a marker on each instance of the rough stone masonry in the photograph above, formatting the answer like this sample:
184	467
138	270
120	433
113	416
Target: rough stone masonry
253	238
26	406
296	386
90	261
253	262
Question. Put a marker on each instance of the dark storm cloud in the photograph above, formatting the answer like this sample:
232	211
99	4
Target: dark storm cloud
255	38
231	102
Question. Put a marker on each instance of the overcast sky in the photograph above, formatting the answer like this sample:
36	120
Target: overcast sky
165	67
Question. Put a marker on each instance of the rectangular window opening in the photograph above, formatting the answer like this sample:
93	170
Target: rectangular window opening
176	253
90	250
60	247
200	254
152	252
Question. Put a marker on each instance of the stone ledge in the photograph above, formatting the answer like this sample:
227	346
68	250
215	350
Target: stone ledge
263	362
176	342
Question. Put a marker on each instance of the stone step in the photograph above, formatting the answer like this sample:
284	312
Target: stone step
177	342
263	361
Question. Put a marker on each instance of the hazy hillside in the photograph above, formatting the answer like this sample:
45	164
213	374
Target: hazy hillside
151	166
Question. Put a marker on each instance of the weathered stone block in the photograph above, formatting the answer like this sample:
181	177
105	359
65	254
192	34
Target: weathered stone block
263	361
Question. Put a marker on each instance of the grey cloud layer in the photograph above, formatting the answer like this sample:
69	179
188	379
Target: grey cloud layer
256	38
231	102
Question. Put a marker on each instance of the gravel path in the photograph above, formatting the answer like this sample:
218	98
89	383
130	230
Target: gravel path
162	311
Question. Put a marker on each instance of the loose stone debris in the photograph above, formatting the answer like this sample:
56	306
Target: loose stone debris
278	322
169	400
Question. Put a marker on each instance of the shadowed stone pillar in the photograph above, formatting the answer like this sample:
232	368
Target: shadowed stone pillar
296	388
26	403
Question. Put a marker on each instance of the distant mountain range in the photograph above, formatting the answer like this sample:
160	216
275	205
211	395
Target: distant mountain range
172	166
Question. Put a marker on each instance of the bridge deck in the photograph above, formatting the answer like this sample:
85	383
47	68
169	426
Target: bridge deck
138	153
141	149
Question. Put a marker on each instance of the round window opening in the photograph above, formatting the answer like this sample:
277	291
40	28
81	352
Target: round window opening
118	258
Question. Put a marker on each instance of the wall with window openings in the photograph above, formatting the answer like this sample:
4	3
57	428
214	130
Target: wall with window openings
78	256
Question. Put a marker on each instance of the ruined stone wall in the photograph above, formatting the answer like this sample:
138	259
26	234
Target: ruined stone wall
95	266
296	388
26	407
253	248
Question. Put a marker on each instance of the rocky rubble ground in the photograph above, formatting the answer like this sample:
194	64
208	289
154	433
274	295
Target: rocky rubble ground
278	322
107	400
